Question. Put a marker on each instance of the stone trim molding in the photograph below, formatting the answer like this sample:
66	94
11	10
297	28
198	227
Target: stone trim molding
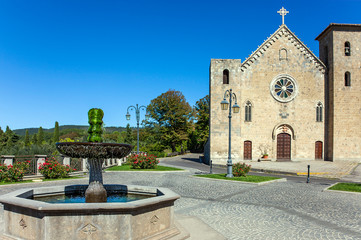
284	31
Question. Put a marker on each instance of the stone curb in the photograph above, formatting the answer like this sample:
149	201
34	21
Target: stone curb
338	191
252	183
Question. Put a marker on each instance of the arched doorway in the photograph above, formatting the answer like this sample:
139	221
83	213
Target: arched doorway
247	150
318	150
283	147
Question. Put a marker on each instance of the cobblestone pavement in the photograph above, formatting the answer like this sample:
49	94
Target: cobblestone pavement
287	210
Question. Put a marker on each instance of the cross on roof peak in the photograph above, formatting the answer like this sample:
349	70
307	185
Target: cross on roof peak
283	12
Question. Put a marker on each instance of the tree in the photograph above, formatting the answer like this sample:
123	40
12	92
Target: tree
27	139
128	136
202	120
34	139
40	137
172	113
56	132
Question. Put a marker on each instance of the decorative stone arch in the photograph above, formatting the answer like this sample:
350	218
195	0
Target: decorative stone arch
283	54
283	128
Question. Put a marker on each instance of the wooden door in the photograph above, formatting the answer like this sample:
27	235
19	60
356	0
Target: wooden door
247	150
318	150
283	147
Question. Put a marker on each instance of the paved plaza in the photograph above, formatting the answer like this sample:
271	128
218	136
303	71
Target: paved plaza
235	210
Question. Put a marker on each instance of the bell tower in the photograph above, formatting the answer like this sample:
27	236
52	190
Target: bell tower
340	50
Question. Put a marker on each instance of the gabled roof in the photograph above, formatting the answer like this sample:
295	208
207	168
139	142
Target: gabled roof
283	30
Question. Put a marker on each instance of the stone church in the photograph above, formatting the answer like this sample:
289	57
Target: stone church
293	105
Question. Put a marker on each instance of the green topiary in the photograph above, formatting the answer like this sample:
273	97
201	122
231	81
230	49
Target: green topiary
95	116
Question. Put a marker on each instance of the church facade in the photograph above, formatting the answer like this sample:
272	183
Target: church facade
293	105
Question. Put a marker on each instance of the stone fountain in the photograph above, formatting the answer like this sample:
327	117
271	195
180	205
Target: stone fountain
149	218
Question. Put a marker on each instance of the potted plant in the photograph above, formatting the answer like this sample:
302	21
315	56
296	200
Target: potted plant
264	150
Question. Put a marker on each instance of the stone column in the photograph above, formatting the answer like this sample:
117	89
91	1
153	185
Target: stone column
66	161
119	161
85	168
8	159
39	162
109	162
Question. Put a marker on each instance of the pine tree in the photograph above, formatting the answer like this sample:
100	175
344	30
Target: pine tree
56	132
34	139
128	136
40	137
27	139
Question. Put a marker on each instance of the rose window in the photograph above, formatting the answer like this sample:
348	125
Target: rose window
283	88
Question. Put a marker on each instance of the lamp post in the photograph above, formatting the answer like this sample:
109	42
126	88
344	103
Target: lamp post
228	105
137	115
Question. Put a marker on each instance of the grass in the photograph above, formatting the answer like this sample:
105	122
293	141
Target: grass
349	187
127	167
249	178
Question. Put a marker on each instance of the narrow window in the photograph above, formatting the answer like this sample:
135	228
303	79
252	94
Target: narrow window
248	112
347	79
225	76
347	49
319	112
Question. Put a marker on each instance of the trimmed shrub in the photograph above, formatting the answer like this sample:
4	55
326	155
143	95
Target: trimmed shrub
240	169
143	161
51	169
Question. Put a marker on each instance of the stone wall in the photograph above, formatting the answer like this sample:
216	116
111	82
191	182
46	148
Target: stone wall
282	54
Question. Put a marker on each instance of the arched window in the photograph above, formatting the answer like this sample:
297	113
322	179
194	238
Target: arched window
319	112
248	111
347	79
283	54
347	49
225	76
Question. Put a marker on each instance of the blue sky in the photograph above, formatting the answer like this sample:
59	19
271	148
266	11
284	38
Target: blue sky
58	59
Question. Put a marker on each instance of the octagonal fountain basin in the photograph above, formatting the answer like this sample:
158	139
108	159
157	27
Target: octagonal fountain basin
150	217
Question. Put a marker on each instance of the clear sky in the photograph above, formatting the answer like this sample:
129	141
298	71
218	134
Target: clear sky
60	58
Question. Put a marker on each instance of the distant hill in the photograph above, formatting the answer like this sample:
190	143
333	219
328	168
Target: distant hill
21	132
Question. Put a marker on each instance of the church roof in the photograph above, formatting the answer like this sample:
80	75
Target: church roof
283	30
335	26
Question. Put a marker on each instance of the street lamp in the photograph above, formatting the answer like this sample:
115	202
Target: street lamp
228	105
137	115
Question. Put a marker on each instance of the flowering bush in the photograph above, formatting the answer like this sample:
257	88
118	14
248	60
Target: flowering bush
143	161
240	169
52	169
13	173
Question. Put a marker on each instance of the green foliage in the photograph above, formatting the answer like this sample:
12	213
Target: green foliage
128	138
202	120
95	116
240	169
56	133
34	139
143	161
52	169
27	139
13	173
40	136
8	139
171	113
